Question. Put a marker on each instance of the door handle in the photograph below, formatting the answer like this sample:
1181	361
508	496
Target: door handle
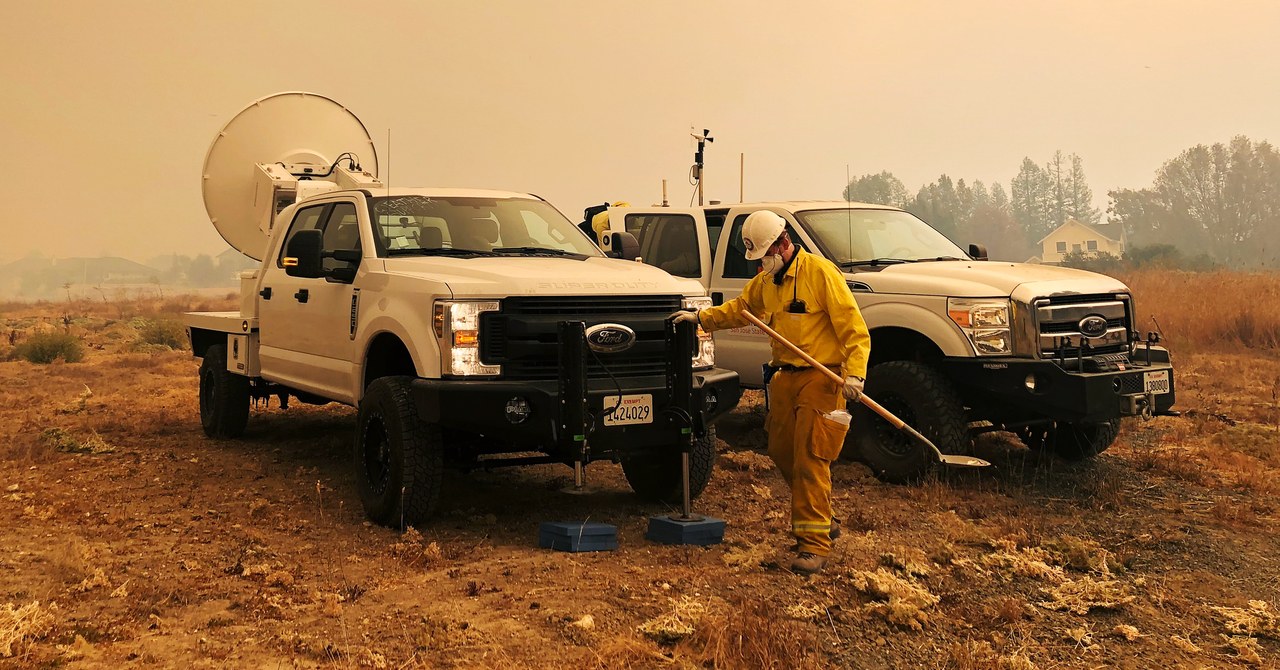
717	298
302	295
265	293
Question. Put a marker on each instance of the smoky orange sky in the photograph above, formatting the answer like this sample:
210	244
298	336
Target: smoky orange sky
108	108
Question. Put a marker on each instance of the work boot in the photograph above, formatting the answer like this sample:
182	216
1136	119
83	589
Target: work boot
807	563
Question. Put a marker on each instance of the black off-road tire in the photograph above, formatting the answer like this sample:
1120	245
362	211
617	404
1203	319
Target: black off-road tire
1072	441
224	396
925	400
657	476
399	458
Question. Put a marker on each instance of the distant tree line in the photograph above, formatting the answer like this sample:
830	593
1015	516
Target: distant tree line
37	276
1222	200
1210	206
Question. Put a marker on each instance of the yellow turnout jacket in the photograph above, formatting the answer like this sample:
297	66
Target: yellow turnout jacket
831	329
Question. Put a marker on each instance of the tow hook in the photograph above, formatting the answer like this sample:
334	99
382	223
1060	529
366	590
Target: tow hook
1142	404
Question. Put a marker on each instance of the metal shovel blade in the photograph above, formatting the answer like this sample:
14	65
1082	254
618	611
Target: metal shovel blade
957	461
952	460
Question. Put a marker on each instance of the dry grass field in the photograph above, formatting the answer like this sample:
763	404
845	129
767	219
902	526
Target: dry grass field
131	540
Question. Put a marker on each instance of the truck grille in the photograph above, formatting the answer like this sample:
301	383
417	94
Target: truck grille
1058	324
521	336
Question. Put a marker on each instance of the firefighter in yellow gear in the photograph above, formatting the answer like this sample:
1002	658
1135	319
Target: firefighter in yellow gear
805	298
600	222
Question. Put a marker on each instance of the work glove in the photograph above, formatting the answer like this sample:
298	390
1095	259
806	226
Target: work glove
853	387
682	315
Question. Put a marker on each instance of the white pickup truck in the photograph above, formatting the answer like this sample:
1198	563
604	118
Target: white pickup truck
959	344
472	328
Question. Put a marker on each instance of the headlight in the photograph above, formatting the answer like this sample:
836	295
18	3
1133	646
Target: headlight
985	321
457	325
705	356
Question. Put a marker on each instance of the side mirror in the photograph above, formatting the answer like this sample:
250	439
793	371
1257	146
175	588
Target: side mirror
302	254
978	252
621	245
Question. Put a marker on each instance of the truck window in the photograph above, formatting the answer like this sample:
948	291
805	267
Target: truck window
667	241
409	223
849	235
307	218
736	265
715	226
341	233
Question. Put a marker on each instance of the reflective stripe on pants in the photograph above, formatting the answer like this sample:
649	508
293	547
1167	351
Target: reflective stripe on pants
803	443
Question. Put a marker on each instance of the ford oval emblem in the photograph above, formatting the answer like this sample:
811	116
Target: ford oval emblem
1093	326
610	338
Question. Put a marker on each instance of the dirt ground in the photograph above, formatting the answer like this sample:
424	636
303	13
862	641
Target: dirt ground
131	540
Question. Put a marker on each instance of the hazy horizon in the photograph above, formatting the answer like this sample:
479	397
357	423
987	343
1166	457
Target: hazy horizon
109	108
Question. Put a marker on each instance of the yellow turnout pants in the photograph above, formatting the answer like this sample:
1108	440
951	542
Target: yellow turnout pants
803	443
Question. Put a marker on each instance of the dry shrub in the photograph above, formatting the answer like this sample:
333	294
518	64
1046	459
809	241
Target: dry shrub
979	655
675	624
1012	610
1252	439
71	562
44	348
413	551
901	601
743	556
1010	562
59	439
1081	595
1257	620
1126	631
24	625
1246	648
906	560
1080	555
1234	513
97	580
746	460
166	333
750	634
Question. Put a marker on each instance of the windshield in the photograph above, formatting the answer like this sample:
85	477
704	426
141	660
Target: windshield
422	225
853	236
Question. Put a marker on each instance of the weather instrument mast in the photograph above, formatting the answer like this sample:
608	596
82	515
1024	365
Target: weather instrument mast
696	171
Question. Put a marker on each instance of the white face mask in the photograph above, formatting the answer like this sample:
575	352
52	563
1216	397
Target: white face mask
771	264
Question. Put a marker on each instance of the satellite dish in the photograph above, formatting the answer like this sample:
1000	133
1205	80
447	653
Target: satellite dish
292	127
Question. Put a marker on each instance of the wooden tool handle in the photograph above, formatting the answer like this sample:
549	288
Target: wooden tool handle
862	397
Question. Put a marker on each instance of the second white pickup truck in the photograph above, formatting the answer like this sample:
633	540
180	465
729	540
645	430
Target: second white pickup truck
959	344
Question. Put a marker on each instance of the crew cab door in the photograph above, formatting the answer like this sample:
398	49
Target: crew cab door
675	240
307	325
744	350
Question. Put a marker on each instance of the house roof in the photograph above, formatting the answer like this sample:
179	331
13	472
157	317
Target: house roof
1092	229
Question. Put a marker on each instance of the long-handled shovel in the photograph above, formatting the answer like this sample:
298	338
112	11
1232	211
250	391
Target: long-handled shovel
945	459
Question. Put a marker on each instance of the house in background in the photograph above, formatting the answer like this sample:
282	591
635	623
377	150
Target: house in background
1078	237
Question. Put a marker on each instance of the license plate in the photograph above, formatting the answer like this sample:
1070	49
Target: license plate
1156	382
634	409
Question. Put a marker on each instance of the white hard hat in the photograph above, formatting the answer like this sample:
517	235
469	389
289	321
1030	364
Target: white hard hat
761	229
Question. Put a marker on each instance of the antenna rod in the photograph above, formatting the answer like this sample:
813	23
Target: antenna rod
664	192
742	165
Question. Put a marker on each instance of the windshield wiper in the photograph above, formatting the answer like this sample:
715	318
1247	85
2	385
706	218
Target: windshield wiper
534	251
877	261
944	258
439	252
